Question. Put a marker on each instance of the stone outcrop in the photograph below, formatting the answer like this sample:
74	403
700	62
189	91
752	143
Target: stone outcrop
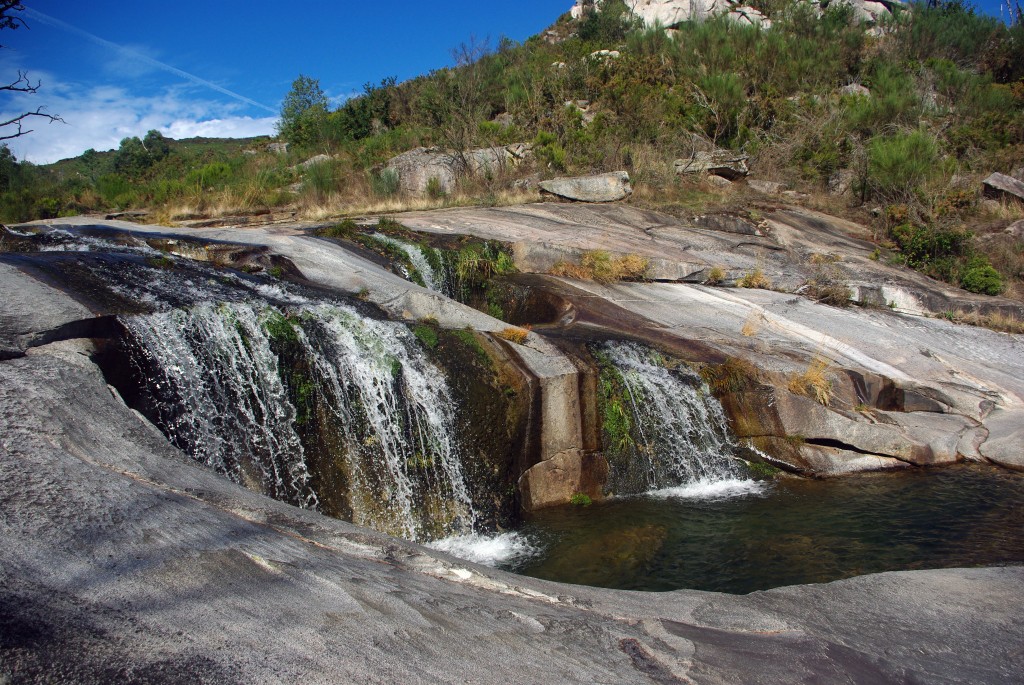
417	168
766	187
670	13
911	411
608	187
313	161
718	162
998	185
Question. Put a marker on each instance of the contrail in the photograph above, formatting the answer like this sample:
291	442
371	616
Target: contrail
46	19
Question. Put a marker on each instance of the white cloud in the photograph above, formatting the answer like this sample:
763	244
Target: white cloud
230	127
100	116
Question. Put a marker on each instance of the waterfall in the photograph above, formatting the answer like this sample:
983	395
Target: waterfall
221	398
392	409
673	432
433	270
264	393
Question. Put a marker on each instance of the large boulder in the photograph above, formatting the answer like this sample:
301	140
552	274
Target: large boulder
724	163
668	13
497	159
416	168
598	188
1000	185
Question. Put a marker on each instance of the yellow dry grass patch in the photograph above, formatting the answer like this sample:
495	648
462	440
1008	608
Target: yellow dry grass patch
814	381
601	266
514	334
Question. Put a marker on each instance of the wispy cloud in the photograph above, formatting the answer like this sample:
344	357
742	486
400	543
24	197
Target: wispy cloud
99	117
136	55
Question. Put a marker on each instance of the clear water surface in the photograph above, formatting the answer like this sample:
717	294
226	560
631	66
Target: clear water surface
740	539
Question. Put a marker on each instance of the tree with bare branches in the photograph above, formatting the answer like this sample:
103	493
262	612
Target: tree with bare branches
15	126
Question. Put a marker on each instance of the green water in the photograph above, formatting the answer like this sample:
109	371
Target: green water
794	531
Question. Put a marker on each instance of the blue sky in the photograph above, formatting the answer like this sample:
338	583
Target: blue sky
113	68
252	49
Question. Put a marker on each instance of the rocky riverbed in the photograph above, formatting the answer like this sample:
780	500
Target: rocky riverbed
123	558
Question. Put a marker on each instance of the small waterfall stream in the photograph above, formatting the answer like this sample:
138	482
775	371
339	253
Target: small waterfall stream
436	272
678	434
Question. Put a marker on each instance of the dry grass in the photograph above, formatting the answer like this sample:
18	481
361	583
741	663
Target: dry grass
716	275
755	278
734	375
600	266
339	205
514	334
814	381
996	321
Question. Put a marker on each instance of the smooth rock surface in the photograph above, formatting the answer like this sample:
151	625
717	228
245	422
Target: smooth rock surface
122	561
609	187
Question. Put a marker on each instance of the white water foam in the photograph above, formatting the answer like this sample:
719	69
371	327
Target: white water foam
711	490
490	550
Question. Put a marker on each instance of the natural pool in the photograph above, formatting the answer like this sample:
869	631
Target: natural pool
743	538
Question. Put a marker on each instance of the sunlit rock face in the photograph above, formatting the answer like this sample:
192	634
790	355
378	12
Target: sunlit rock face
669	13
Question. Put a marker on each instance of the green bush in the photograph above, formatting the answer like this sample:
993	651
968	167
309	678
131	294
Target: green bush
983	279
384	183
899	164
549	151
212	176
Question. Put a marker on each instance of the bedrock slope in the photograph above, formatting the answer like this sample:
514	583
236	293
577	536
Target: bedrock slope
906	389
122	560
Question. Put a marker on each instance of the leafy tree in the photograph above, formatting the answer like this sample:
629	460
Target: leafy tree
370	113
156	145
303	112
15	126
135	156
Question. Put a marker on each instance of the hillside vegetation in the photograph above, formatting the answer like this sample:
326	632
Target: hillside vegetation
946	108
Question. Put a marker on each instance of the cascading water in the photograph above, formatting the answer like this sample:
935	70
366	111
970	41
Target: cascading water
224	397
435	271
221	397
391	409
673	432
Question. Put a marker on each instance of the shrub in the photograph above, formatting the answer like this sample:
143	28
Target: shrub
600	266
983	279
549	151
384	183
734	375
426	335
900	163
581	500
755	278
434	188
715	276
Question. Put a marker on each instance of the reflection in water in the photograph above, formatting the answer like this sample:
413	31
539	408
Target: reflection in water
792	532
